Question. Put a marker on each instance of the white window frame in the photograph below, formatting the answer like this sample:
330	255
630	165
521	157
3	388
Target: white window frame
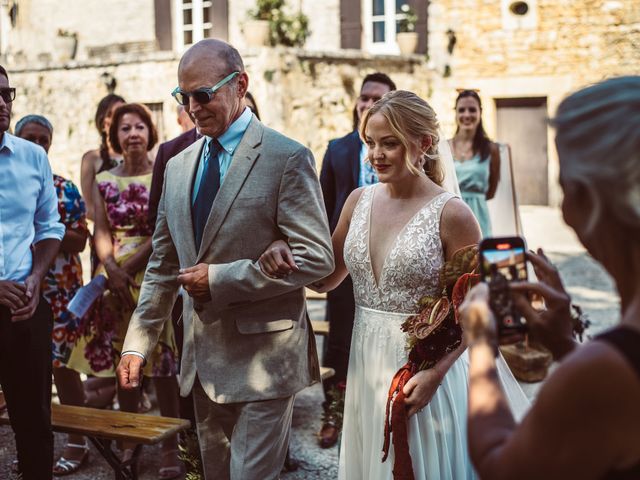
198	25
390	17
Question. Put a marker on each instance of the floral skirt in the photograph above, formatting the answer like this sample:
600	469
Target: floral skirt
102	333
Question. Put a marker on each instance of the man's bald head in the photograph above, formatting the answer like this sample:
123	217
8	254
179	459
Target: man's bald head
201	67
212	52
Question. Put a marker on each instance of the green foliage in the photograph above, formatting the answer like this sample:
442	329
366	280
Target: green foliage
190	455
289	30
335	413
409	21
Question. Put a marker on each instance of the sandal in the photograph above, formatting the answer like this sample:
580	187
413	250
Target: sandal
66	467
174	471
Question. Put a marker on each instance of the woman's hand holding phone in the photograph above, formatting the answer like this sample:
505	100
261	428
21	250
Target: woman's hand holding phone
553	326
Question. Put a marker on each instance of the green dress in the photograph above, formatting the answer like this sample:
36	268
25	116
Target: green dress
473	178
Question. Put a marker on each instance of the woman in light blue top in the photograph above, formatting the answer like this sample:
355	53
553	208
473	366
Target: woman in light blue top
476	157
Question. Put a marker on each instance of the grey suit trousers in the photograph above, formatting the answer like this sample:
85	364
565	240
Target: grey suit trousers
242	441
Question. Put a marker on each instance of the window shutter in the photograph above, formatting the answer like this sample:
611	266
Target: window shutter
164	36
220	20
350	24
421	9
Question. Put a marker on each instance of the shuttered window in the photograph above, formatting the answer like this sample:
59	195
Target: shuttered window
193	20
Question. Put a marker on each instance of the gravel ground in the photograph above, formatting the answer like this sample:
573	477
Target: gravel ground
589	285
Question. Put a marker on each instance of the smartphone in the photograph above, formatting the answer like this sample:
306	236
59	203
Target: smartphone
504	260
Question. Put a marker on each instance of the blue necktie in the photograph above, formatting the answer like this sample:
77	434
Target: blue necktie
207	190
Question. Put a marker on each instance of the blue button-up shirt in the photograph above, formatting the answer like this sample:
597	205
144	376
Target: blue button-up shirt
229	141
28	205
368	175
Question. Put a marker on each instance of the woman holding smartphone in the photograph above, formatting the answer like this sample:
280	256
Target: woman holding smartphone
586	420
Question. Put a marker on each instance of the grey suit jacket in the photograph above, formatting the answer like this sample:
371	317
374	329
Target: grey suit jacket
253	340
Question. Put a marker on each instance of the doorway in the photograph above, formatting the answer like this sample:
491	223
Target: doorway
522	123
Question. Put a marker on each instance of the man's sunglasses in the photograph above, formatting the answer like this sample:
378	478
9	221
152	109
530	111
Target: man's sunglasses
8	94
201	95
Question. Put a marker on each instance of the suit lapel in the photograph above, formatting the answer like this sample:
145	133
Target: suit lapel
353	152
190	160
242	162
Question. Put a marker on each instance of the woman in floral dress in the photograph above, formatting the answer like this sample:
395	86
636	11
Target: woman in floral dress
123	244
61	283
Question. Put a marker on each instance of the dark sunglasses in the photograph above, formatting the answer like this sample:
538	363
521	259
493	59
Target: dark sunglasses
201	95
8	94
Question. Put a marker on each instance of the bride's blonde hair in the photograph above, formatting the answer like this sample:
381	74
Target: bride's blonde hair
598	140
410	119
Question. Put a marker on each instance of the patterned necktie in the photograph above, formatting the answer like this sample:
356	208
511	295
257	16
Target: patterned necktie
207	190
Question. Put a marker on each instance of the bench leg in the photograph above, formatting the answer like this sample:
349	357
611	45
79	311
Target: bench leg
127	470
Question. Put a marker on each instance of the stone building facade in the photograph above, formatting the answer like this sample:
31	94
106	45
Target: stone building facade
524	64
522	56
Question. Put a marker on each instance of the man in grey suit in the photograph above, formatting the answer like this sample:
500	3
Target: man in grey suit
248	344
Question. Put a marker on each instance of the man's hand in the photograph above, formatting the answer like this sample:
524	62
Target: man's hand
31	299
12	294
129	371
195	281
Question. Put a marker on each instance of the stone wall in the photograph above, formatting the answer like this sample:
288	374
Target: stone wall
97	23
307	96
566	46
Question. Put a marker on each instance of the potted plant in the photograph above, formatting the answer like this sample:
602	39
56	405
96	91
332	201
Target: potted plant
407	37
256	29
270	24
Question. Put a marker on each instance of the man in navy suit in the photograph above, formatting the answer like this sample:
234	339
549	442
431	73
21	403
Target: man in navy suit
343	170
166	151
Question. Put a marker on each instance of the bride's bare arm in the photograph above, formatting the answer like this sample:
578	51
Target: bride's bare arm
277	260
337	241
458	227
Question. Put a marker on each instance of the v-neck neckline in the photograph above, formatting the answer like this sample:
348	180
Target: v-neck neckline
378	282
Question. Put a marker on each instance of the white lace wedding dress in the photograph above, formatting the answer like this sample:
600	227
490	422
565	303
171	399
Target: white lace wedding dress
437	435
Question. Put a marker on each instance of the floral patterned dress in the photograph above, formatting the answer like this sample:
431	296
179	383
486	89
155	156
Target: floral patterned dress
64	278
98	349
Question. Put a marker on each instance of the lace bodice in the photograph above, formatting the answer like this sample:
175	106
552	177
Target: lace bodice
411	268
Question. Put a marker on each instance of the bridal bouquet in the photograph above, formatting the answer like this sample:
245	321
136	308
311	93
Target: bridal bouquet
431	334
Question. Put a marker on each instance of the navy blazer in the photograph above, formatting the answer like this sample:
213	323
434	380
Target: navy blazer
166	152
340	174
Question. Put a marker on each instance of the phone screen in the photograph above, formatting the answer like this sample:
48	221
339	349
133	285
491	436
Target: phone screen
503	260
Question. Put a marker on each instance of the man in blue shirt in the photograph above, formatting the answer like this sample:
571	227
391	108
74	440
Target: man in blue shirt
30	235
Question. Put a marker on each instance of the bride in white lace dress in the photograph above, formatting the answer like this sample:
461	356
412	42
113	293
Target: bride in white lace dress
393	238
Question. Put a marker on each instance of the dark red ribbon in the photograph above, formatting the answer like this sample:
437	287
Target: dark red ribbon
397	423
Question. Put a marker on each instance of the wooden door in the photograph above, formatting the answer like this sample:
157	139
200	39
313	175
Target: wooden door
522	123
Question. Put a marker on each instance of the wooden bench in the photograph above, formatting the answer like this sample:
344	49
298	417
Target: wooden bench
320	327
326	372
102	427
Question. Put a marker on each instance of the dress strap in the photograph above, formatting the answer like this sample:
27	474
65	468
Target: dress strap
441	200
627	341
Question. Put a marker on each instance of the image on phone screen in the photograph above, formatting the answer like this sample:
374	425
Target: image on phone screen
503	261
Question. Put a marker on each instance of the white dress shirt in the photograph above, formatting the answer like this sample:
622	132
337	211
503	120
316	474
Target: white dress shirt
28	205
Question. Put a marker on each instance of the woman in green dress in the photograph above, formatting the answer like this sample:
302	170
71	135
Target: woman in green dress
476	157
